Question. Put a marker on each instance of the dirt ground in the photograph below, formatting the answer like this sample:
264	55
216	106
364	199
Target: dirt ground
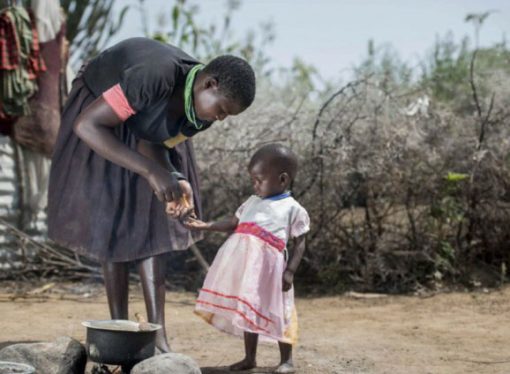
445	333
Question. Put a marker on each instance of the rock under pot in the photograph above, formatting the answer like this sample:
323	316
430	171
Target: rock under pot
7	367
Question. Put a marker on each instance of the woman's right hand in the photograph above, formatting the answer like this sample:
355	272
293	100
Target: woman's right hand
165	184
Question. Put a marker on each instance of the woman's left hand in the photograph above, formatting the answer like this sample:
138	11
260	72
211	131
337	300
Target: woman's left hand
184	207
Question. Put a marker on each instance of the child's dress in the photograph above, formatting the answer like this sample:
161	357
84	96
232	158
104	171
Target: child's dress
243	288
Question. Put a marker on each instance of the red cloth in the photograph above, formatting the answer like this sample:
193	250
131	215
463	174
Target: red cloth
10	59
35	62
115	97
9	45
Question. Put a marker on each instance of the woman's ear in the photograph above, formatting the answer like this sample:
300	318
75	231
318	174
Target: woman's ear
285	180
210	82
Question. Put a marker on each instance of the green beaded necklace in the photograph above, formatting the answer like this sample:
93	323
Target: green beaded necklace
188	97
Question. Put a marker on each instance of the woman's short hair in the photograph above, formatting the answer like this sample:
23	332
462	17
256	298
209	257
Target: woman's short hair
236	78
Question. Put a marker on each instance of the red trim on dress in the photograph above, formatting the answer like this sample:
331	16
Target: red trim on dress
236	311
116	99
252	228
241	300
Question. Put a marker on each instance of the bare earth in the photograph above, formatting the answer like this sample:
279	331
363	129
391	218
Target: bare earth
446	333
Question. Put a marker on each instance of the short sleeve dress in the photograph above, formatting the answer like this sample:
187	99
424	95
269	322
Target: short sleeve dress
97	208
243	288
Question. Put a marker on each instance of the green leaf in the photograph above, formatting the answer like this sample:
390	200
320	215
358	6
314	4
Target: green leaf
175	16
456	177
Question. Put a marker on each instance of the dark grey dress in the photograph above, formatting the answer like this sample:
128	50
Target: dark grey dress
99	209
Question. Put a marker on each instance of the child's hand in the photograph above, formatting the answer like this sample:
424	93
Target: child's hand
287	280
195	224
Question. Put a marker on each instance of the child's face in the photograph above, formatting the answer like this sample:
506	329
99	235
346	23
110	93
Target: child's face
266	181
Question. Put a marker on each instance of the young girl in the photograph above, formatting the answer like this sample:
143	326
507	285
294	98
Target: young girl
248	289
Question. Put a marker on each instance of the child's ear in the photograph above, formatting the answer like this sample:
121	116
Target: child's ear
285	179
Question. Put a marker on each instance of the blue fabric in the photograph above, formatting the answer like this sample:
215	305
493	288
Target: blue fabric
279	196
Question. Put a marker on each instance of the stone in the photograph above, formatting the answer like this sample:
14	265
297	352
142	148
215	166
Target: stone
174	363
63	356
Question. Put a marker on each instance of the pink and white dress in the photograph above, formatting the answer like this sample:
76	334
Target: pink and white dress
243	288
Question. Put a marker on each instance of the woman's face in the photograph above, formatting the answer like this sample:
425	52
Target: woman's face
210	105
266	181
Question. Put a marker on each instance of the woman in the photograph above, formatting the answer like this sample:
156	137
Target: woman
123	145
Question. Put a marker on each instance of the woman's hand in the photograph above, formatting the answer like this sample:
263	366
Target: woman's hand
165	185
182	208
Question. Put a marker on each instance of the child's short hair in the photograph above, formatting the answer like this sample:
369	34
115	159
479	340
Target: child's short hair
278	156
236	78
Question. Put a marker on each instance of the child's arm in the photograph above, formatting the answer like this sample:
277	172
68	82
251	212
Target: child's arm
293	263
225	225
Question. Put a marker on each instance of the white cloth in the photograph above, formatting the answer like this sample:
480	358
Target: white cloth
48	17
284	218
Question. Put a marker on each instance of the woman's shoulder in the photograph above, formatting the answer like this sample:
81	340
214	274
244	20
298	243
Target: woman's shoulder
146	48
142	63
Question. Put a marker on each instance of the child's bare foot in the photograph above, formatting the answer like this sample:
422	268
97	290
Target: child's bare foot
244	364
285	368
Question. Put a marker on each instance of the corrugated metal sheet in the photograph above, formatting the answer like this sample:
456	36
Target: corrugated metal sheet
13	175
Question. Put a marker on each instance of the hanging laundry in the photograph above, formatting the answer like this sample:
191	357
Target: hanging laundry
48	19
38	131
20	59
9	44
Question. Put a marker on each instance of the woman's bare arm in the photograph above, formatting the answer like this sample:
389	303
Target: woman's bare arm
95	127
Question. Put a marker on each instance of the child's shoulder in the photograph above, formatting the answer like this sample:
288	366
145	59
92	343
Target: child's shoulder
250	201
296	203
292	206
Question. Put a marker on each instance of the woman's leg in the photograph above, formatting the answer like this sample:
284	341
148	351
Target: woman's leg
116	279
152	274
250	349
286	364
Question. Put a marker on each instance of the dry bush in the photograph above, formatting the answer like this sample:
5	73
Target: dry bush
397	202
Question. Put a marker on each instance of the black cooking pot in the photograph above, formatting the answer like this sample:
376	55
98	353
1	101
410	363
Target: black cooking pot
120	342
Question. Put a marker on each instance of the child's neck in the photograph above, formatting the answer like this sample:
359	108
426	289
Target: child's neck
278	196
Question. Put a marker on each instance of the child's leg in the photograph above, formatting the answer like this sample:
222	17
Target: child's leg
152	275
250	349
116	284
286	364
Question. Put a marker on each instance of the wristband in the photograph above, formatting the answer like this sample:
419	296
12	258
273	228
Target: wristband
178	175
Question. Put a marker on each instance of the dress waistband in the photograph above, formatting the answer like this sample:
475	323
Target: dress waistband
252	228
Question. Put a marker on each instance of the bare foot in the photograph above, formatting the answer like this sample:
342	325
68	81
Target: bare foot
285	368
244	364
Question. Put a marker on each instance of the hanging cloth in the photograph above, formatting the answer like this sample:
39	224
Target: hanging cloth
21	63
38	130
49	19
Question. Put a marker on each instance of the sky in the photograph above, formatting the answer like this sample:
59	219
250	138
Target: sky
332	35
